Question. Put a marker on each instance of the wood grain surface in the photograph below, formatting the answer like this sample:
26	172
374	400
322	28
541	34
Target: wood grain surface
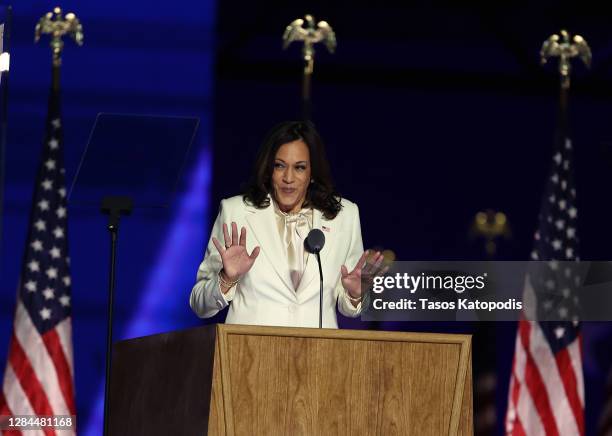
341	382
231	380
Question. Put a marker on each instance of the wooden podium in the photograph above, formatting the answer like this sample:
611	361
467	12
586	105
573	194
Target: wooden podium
252	380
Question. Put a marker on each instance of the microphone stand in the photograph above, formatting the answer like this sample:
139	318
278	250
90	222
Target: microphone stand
320	290
314	243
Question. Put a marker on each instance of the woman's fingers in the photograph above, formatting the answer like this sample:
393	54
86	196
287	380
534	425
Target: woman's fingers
375	264
344	271
254	253
234	233
235	238
362	260
243	237
378	259
220	248
226	236
368	268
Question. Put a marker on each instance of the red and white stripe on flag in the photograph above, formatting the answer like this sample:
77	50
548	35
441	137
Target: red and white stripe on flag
546	395
38	380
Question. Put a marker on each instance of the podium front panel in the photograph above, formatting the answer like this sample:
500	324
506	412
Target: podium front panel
248	380
342	382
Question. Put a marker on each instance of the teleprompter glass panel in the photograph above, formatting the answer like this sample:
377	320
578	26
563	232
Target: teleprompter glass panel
137	156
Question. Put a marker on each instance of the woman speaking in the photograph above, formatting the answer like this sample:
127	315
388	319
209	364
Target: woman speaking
256	258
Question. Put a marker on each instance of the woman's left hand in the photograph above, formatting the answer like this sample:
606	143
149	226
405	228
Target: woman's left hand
351	281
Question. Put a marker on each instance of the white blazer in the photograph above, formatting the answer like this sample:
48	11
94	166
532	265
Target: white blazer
265	295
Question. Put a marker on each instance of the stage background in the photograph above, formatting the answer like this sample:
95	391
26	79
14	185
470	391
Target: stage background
431	112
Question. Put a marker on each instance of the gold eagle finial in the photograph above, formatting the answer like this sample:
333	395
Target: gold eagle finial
565	47
305	30
56	25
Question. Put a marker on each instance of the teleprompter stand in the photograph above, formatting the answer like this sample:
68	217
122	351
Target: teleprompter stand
131	162
114	207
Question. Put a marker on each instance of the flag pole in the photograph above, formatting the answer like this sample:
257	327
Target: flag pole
310	34
552	330
565	47
39	376
57	26
5	35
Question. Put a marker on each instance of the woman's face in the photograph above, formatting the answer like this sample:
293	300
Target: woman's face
291	175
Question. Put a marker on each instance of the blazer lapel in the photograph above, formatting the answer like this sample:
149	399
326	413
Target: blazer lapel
263	225
330	239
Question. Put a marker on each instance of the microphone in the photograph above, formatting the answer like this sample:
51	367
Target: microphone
314	243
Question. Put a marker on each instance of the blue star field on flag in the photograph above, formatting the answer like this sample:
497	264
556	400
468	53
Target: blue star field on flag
45	278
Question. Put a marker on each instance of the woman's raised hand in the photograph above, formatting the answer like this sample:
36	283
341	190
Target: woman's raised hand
236	260
364	271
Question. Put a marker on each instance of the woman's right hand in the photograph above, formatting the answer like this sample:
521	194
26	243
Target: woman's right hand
236	260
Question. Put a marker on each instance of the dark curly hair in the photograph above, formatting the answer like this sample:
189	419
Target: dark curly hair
321	193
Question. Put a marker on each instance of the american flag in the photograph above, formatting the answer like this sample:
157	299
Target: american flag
546	394
38	379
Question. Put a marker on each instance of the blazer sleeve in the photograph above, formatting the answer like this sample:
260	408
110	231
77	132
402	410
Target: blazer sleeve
206	298
345	306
